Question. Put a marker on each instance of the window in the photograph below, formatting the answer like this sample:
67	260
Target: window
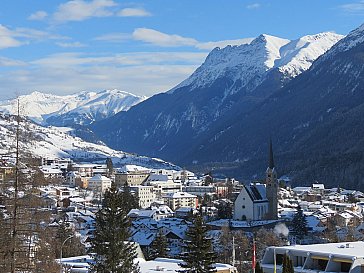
345	267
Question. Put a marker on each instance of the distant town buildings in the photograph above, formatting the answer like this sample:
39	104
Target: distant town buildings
177	200
99	183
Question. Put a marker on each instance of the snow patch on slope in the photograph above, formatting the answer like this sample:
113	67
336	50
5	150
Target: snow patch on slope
55	142
298	55
354	38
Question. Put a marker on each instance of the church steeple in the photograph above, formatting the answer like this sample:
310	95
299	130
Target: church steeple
271	158
272	185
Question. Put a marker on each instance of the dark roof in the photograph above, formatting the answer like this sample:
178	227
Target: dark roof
256	192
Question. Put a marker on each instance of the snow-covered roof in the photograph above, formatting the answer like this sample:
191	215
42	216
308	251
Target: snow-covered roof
346	215
318	186
180	194
46	170
142	212
171	266
355	249
256	192
144	238
82	264
301	189
133	168
98	178
77	199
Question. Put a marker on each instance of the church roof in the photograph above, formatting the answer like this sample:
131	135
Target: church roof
256	192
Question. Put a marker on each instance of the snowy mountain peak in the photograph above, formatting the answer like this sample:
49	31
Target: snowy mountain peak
84	107
270	41
354	38
298	55
249	63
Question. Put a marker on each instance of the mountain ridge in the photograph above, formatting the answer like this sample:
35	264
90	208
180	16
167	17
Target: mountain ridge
79	108
54	142
168	124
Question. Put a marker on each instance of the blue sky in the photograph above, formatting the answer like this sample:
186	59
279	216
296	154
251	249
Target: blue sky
143	47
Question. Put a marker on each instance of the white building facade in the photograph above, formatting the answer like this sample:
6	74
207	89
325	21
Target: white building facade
180	199
145	195
99	183
251	203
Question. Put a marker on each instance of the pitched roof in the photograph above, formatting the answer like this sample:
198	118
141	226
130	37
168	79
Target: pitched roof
256	192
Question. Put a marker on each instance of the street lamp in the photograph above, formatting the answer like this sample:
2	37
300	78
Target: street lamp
60	259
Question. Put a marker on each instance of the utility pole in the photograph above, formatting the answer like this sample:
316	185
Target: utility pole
254	260
233	251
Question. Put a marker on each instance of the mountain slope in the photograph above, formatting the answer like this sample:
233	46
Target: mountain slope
81	108
54	142
315	121
232	79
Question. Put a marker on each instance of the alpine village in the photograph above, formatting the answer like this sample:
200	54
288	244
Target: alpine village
252	163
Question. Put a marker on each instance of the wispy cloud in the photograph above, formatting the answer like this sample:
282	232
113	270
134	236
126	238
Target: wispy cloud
11	62
158	38
79	10
143	73
35	34
133	12
38	16
127	59
355	7
7	38
23	36
70	44
253	6
114	37
141	80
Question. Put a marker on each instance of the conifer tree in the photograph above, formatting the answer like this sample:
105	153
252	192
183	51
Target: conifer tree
299	223
110	246
129	201
199	256
159	247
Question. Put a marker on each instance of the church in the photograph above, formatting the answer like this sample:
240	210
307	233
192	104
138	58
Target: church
259	201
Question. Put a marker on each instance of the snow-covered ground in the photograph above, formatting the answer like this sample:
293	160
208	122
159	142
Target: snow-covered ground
54	142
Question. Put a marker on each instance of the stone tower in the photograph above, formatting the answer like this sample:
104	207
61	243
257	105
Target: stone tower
272	186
